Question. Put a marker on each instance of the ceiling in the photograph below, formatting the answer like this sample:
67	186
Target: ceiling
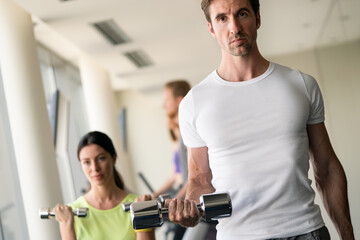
175	37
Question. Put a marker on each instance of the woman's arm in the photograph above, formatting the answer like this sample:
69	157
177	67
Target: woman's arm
182	192
167	185
150	235
65	217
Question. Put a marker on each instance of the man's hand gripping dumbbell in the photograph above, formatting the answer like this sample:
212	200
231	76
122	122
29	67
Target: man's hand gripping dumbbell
150	214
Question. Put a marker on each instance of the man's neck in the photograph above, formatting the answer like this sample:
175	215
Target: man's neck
242	68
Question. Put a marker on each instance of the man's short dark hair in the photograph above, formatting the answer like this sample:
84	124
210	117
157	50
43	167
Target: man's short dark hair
206	3
179	88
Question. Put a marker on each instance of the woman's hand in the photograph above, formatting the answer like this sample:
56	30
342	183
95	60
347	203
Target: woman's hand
142	198
64	215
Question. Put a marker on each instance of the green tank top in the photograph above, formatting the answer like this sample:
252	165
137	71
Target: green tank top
108	224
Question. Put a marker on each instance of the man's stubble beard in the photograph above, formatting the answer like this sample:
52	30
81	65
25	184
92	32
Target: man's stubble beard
241	49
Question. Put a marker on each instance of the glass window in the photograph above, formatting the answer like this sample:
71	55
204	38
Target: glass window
12	221
62	78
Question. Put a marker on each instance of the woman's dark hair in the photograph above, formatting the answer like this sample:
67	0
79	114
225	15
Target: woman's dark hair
105	142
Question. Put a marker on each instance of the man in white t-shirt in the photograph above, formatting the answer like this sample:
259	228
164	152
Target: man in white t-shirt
249	128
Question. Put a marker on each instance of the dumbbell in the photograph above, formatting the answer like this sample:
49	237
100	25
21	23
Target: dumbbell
161	199
46	213
150	214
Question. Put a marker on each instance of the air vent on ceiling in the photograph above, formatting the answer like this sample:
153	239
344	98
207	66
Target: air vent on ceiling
139	58
111	31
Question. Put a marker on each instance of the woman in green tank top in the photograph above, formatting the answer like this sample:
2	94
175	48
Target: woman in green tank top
105	218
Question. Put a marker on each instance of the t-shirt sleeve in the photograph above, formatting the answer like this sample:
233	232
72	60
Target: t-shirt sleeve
187	123
317	112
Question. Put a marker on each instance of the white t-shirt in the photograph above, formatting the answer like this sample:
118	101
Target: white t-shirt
257	143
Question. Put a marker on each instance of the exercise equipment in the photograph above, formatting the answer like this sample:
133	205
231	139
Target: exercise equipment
150	214
141	175
46	213
161	199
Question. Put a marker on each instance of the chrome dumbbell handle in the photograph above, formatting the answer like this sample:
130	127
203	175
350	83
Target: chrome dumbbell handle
165	211
211	207
46	213
150	214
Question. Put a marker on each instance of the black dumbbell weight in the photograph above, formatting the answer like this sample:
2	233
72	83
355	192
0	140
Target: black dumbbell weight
46	213
150	214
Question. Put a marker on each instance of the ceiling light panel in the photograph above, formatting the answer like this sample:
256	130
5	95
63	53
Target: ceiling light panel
111	32
139	58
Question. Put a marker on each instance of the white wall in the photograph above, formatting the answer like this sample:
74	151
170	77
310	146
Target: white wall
149	144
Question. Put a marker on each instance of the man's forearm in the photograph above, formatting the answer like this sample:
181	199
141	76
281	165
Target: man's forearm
330	179
200	175
195	188
334	194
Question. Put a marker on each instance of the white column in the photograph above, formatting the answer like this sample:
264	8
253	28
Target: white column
102	111
29	122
